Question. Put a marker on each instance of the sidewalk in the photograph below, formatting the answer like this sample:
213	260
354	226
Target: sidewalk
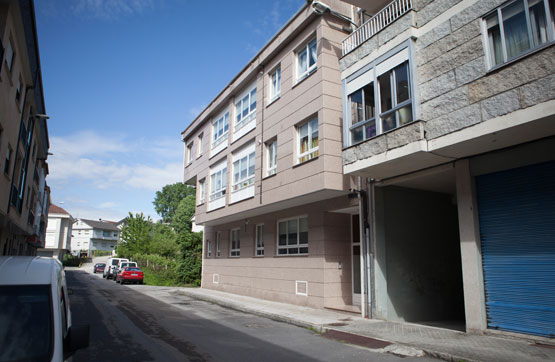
404	338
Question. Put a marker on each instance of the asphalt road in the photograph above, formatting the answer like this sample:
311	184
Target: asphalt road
126	325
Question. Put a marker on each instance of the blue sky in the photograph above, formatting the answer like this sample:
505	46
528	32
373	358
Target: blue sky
123	78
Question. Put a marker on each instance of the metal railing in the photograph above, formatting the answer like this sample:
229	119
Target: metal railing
375	24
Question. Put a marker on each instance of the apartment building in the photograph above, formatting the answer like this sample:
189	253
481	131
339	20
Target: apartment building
91	235
449	123
265	158
58	233
24	194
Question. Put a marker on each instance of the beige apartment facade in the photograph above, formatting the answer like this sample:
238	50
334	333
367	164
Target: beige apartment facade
265	158
24	194
449	121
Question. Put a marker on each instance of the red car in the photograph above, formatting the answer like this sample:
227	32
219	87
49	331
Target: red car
130	274
99	268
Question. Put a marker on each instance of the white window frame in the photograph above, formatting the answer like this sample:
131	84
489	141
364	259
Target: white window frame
201	191
220	123
220	174
302	74
208	249
287	247
190	153
218	243
271	157
242	119
10	54
239	181
235	250
275	84
259	240
199	145
498	13
309	153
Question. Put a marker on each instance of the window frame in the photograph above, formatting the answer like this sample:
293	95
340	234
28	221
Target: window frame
222	119
288	246
201	191
8	160
190	153
199	144
218	243
208	249
248	180
498	13
241	120
275	88
235	252
9	55
271	162
310	151
259	250
309	68
217	193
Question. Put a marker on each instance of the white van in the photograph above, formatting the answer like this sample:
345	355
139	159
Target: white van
111	265
35	318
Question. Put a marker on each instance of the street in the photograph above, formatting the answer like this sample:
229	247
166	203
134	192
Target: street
128	325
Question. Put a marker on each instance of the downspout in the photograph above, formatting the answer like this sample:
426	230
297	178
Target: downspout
363	261
371	240
262	133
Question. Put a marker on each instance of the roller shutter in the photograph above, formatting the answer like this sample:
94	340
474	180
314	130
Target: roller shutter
517	226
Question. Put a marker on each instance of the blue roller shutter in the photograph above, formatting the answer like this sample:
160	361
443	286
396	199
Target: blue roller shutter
517	226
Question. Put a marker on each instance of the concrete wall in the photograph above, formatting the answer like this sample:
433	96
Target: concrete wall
274	277
424	281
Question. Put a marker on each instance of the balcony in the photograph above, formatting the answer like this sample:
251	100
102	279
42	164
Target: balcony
375	24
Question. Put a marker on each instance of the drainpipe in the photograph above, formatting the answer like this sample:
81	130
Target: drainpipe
361	222
371	244
262	133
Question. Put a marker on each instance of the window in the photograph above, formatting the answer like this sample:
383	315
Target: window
243	172
245	109
516	28
201	191
189	153
208	249
234	243
199	145
260	240
218	184
220	128
275	84
218	243
307	135
18	90
395	98
271	153
115	235
293	236
306	60
380	99
10	55
105	234
8	160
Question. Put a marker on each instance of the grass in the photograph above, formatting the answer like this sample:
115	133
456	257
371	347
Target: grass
161	279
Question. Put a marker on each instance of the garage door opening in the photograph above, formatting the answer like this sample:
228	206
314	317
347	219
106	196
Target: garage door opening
418	251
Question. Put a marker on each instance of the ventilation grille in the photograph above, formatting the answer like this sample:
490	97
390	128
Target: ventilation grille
301	288
216	278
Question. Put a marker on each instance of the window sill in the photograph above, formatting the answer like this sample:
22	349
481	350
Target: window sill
305	162
520	57
234	257
269	176
380	135
300	80
291	255
273	100
199	156
257	256
188	164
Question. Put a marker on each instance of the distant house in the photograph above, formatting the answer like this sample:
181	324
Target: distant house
90	235
58	233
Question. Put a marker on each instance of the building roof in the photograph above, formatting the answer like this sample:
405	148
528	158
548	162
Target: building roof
54	209
105	225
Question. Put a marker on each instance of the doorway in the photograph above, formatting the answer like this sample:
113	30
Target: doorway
355	258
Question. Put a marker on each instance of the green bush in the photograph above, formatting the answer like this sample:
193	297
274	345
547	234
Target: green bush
72	260
101	252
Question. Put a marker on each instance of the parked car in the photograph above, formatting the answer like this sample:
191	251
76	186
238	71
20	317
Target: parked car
123	264
35	315
109	271
130	275
99	267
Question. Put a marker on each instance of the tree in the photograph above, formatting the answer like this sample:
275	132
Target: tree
167	200
164	241
136	234
185	211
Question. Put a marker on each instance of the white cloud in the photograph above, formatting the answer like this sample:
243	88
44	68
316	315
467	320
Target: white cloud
110	9
86	143
154	178
108	205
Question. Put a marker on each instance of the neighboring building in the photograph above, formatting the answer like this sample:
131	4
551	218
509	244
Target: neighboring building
24	195
265	157
196	228
449	120
58	233
90	235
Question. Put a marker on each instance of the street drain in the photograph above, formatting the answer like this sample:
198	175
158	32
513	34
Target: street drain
181	303
336	324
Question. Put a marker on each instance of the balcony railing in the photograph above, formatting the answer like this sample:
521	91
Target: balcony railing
375	24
